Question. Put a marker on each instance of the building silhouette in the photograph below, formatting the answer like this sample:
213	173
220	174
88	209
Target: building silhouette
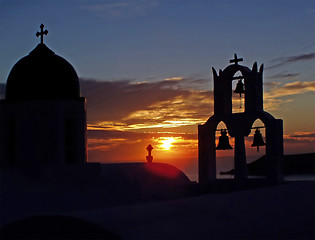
43	116
50	191
239	125
43	156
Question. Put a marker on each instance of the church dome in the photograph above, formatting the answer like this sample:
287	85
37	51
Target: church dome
42	75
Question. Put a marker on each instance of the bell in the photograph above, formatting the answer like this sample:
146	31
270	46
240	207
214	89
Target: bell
239	88
223	141
258	140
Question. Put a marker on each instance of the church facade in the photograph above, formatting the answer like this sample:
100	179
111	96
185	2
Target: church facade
43	116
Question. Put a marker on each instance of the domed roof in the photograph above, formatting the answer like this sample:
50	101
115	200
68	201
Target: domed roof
42	75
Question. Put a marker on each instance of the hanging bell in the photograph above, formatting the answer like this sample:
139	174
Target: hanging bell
223	141
239	88
258	140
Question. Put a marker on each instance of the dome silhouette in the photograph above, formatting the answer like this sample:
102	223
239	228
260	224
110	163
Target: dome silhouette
42	75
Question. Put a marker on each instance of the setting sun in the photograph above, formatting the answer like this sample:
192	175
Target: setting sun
166	143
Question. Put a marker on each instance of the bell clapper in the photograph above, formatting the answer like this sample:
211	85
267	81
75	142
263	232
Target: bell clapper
239	88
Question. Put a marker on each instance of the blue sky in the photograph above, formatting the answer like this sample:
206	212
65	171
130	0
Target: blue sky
150	39
145	65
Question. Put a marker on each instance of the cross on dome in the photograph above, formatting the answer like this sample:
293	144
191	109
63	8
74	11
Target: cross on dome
42	33
236	60
149	149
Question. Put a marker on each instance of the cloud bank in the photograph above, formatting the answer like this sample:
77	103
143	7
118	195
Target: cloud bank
292	59
292	88
124	116
286	75
121	9
128	105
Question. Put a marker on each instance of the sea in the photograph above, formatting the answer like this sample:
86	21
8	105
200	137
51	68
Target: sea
297	177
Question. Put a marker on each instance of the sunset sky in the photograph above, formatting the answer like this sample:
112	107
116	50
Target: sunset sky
145	67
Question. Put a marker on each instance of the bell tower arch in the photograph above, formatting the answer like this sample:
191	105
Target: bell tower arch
239	125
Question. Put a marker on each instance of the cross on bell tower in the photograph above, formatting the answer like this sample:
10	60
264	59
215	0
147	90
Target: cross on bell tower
236	60
42	33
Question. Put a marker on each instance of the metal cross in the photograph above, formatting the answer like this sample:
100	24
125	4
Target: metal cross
149	149
236	60
41	33
149	157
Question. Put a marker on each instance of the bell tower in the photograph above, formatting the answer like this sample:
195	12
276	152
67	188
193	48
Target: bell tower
239	125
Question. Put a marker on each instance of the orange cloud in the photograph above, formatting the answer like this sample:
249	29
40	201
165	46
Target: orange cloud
124	117
125	105
113	101
292	88
300	137
275	97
